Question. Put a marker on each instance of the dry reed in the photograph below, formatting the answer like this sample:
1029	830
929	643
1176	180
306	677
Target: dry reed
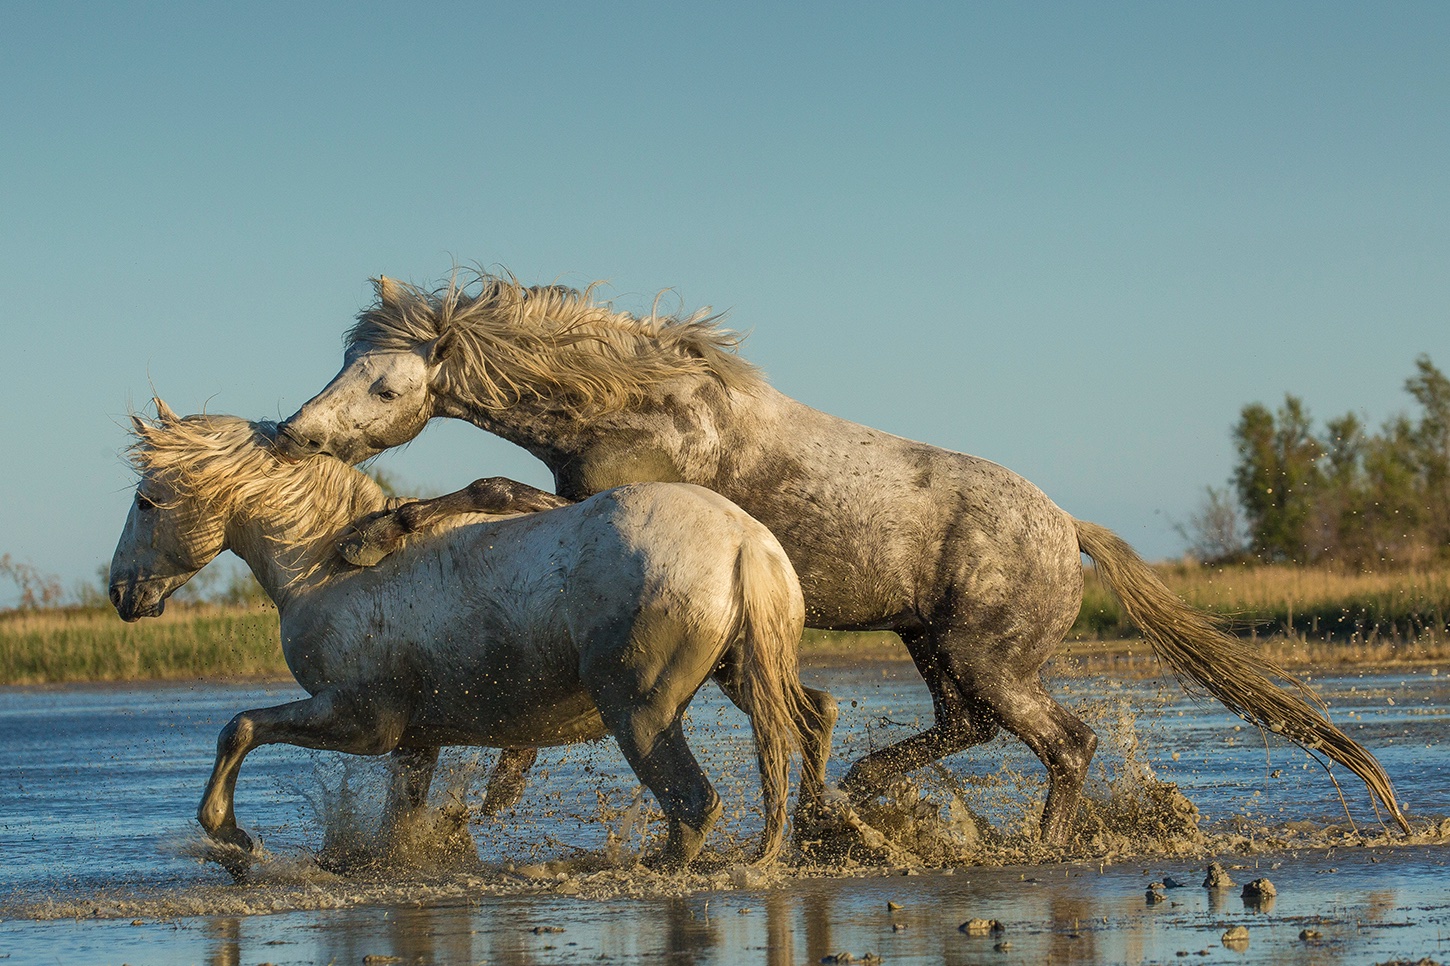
61	645
1298	616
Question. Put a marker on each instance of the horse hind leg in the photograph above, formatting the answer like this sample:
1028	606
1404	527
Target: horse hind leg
815	725
976	688
1060	741
507	780
664	763
412	770
412	775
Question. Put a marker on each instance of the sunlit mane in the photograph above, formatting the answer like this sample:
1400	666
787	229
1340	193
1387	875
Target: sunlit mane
229	464
502	343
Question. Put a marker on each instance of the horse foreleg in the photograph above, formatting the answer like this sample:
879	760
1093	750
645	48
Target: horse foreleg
507	779
412	774
375	536
327	721
962	720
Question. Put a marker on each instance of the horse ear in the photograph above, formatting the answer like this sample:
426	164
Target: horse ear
163	411
388	291
138	425
439	349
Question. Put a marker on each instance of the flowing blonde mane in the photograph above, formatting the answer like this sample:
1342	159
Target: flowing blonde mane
501	344
229	464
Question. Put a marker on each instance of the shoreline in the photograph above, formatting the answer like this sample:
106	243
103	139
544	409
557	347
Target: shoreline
1135	655
1131	657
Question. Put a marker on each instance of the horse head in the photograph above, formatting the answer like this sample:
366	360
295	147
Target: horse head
167	538
379	399
382	396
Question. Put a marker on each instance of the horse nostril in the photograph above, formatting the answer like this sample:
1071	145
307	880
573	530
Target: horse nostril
286	431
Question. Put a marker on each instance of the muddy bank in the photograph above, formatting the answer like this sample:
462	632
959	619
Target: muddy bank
1358	905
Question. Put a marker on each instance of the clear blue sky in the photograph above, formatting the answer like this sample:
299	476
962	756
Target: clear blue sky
1072	238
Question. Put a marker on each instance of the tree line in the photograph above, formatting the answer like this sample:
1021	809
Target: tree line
1344	495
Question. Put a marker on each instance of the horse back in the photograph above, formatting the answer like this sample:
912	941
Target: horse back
889	532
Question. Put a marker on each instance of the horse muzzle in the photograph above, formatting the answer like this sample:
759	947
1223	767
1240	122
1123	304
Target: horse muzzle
134	600
292	445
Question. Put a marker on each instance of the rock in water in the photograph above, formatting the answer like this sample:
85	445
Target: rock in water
1217	878
1260	889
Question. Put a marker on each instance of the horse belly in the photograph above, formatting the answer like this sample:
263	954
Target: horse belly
499	705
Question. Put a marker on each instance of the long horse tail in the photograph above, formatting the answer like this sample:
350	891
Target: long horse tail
772	616
1205	657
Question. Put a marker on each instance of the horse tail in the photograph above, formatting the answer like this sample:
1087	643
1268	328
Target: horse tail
772	616
1205	657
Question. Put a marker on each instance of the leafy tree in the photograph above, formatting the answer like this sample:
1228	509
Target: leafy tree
1431	442
1349	496
1276	477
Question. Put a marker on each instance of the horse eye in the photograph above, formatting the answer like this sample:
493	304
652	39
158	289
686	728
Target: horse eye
387	395
144	504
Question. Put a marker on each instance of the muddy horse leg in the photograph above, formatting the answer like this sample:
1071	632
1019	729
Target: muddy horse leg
374	537
1060	741
962	720
507	779
328	721
815	726
976	687
664	763
412	770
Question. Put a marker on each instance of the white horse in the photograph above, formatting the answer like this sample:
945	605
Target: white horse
544	629
975	568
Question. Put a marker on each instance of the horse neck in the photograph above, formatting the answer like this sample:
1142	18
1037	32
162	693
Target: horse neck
724	422
294	551
549	436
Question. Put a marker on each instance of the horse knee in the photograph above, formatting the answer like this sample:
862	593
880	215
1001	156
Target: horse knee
236	736
821	713
210	814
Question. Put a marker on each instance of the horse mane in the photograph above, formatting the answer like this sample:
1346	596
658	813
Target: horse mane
500	343
229	464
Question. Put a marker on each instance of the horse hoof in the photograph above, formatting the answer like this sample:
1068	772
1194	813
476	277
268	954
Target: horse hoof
234	851
666	863
232	837
359	552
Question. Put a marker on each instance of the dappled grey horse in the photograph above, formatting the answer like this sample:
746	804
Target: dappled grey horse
973	566
599	618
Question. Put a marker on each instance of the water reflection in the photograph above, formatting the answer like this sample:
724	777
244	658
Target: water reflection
225	933
1059	914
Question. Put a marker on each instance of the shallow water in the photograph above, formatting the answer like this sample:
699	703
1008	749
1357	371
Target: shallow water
98	787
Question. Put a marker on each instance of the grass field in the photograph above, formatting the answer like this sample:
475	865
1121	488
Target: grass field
1307	603
52	646
1299	615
